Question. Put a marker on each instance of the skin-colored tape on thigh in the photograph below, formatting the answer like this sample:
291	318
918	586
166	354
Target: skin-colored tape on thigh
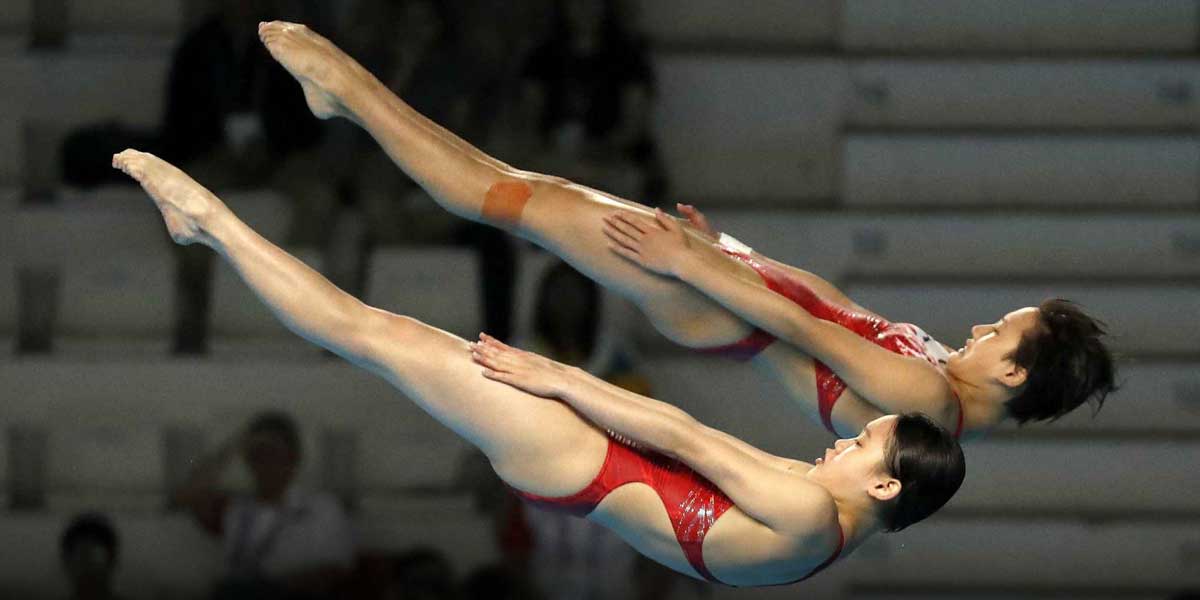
505	201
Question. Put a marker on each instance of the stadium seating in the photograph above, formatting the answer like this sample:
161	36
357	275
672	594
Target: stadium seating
708	23
1155	398
47	95
1052	172
1020	26
1094	246
439	286
1024	95
114	16
749	130
116	306
1033	552
1146	319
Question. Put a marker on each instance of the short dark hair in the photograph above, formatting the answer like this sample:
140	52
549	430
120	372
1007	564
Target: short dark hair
90	526
1066	361
929	463
278	423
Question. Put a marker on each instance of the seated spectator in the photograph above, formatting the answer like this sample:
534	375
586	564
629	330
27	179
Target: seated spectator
90	553
281	541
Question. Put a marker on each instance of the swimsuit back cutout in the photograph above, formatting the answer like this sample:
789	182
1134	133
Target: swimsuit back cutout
693	503
902	338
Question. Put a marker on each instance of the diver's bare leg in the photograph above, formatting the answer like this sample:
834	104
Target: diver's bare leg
536	444
552	212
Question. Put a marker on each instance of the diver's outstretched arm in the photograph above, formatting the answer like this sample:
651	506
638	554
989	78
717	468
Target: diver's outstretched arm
892	382
782	501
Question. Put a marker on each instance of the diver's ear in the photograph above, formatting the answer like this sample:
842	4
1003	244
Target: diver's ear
1014	376
885	489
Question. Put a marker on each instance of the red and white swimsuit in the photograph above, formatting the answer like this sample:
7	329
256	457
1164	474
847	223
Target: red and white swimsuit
902	338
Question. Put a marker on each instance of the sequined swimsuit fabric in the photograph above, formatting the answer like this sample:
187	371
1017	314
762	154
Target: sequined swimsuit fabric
692	502
902	338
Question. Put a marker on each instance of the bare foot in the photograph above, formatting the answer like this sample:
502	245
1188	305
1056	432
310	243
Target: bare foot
185	205
322	69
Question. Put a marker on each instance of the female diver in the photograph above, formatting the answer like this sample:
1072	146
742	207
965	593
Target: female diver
693	498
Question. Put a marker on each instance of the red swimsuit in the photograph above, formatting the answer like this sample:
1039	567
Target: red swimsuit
692	502
901	338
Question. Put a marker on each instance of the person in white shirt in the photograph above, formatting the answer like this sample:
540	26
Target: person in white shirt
282	541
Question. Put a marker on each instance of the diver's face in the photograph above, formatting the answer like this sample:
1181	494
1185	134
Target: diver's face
987	353
857	462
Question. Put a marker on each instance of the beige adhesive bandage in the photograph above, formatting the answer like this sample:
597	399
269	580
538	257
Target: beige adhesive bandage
505	201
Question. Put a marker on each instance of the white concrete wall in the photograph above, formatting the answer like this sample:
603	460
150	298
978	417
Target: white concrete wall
1144	319
1102	94
779	22
1021	26
439	286
749	130
1058	171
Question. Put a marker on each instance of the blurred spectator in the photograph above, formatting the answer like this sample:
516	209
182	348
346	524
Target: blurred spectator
497	583
423	574
452	61
590	84
233	117
90	554
282	541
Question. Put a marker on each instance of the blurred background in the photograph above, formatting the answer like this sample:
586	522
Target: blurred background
943	161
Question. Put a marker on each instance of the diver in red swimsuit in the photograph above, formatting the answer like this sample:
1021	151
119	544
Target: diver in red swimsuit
1036	363
904	339
738	515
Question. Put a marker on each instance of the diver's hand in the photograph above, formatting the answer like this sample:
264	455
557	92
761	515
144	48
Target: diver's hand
523	370
659	244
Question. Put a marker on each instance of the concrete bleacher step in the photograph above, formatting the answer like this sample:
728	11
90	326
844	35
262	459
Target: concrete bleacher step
996	246
168	556
51	235
752	129
8	297
1143	319
1019	26
950	591
14	19
860	243
439	286
1047	94
107	424
162	556
1085	475
49	94
1032	552
108	16
1040	171
1155	398
122	300
701	23
1007	592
